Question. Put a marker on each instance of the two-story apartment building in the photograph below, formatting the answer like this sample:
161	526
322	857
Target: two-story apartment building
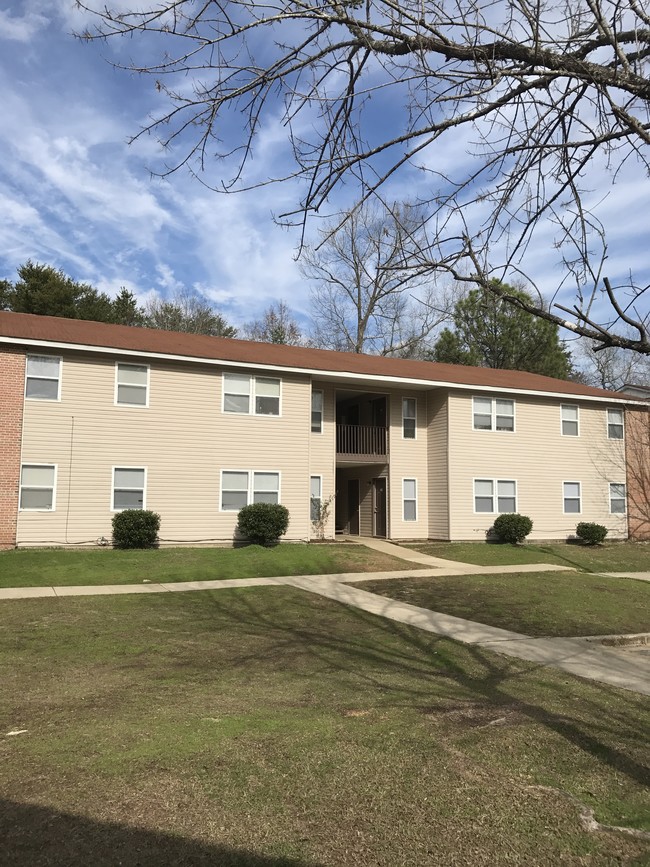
98	418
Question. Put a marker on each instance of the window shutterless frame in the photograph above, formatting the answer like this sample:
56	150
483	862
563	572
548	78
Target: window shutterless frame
409	499
315	497
617	498
240	488
570	420
572	498
43	377
493	414
245	394
124	480
409	418
615	424
317	406
495	496
37	487
132	383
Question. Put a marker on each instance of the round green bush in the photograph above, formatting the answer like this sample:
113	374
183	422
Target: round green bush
263	523
512	527
591	534
135	528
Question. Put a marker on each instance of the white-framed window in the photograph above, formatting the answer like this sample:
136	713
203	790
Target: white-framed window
410	499
315	497
43	377
241	487
617	498
495	496
571	492
131	384
494	414
38	487
251	395
409	418
129	488
570	417
317	412
615	424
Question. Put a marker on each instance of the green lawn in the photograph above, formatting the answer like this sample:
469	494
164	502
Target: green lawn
611	557
534	603
52	566
267	728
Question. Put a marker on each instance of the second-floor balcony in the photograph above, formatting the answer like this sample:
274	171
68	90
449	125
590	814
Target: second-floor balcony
361	442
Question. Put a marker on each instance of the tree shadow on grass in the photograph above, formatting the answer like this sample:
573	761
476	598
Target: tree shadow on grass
35	836
380	652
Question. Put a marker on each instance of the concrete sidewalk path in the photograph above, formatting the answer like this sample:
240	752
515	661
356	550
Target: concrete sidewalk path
579	656
638	576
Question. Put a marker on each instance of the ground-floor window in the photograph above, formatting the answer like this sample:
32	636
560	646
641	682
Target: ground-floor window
410	499
572	498
241	487
617	498
37	487
129	485
495	495
315	497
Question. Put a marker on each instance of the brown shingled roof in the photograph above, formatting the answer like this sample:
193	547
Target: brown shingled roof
24	326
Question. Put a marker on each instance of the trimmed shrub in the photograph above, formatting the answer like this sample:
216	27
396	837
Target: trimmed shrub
591	534
135	528
263	523
512	527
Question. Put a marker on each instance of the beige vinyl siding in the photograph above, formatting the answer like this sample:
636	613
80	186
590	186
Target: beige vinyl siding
539	459
408	460
322	451
182	438
438	471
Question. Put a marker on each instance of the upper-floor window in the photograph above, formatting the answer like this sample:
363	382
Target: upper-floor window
410	499
617	498
409	417
37	487
572	498
251	395
43	377
131	384
494	414
570	420
241	487
317	412
615	424
129	488
495	495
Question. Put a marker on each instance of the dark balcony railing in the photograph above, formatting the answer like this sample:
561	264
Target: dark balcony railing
355	439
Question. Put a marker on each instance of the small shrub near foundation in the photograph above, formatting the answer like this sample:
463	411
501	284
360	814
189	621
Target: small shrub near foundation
512	527
263	523
591	534
135	528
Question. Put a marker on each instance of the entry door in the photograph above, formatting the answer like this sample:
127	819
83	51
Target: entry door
353	507
379	507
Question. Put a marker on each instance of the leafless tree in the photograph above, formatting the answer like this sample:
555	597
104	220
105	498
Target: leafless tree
276	325
365	295
611	368
186	311
535	94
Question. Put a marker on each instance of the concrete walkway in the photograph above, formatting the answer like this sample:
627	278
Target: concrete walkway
580	656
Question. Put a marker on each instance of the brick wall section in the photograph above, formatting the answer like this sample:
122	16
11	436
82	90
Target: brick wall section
12	387
637	454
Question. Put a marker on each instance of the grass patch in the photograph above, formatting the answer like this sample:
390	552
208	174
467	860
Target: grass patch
534	603
55	567
268	728
612	557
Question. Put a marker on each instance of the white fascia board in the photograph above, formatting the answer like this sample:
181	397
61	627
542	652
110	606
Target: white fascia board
331	375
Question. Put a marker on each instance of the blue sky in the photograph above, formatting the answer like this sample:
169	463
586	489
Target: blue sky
74	194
